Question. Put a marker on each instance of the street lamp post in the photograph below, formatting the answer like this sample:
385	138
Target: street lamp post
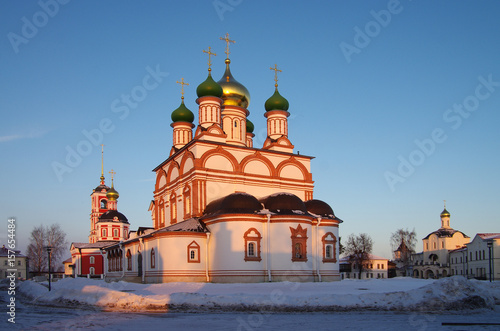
490	246
49	250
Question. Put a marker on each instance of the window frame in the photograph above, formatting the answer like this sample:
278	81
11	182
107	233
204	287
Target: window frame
332	243
299	240
193	247
252	236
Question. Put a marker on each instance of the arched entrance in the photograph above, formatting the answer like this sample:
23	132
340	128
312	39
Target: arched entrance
445	273
429	274
415	273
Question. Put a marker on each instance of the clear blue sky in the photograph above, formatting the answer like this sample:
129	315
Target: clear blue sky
358	101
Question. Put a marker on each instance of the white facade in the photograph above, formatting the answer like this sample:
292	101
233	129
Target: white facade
481	264
225	211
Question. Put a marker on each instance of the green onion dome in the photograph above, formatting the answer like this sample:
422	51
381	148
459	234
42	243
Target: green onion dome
250	126
182	114
209	88
276	102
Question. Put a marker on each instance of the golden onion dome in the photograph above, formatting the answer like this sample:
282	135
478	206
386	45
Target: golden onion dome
112	194
234	93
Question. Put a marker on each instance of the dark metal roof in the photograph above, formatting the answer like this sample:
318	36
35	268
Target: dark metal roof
284	203
235	203
190	225
113	216
99	244
442	232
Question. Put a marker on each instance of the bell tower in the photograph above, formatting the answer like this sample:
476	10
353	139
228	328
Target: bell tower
99	202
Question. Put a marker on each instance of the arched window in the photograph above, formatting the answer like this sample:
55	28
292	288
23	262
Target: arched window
129	260
153	258
115	232
193	251
91	270
104	204
161	216
251	249
252	245
91	260
187	202
299	244
104	232
173	209
329	247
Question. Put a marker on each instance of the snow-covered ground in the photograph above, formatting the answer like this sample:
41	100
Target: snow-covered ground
396	294
396	304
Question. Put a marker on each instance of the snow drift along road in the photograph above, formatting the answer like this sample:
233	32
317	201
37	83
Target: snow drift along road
403	294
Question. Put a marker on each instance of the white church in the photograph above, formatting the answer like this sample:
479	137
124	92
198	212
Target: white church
223	210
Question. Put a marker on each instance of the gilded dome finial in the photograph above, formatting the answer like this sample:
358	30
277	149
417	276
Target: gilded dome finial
209	52
102	164
228	41
112	193
182	87
276	75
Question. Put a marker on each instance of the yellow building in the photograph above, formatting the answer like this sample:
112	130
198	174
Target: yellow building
12	261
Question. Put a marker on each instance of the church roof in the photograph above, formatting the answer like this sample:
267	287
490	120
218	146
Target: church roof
284	203
100	244
235	203
113	216
190	225
101	187
320	208
443	232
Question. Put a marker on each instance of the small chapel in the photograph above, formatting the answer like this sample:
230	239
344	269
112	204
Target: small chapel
223	210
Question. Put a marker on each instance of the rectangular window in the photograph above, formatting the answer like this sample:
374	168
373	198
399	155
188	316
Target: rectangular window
19	262
115	232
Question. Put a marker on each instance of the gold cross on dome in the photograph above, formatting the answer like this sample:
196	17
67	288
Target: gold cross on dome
182	86
444	204
209	52
227	40
112	173
275	74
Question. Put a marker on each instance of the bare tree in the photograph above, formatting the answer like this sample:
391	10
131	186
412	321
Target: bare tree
36	252
341	247
41	237
403	243
358	249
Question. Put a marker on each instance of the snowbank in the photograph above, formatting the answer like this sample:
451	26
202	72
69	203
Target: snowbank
402	294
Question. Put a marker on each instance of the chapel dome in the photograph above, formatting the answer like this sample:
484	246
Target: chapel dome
113	216
445	213
209	88
319	207
285	203
233	92
276	102
182	114
235	203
